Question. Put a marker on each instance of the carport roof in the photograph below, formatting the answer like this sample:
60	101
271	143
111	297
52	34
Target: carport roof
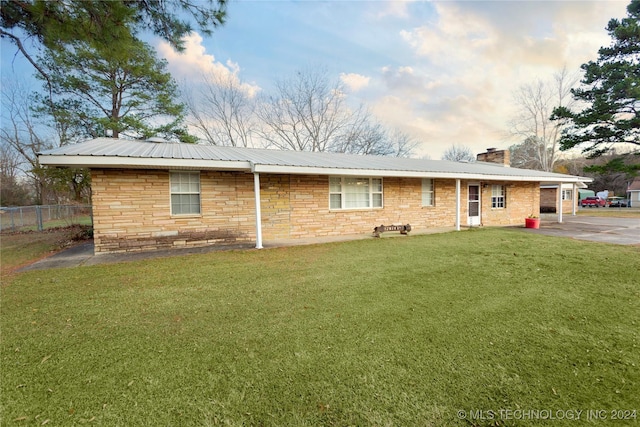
117	153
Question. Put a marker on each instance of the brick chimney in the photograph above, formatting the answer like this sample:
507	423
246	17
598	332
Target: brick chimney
494	155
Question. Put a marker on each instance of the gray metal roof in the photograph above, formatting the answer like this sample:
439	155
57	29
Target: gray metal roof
108	152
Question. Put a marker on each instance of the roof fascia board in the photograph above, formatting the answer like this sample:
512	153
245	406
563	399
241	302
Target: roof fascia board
203	164
143	162
303	170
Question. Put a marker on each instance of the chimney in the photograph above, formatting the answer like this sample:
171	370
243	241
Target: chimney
494	155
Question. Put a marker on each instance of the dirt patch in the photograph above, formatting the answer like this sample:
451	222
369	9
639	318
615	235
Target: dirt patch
19	249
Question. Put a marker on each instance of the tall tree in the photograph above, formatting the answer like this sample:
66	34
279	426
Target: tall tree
611	91
306	113
532	123
53	22
122	88
22	136
309	112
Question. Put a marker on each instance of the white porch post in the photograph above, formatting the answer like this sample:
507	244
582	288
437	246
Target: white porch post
457	205
559	202
574	199
256	191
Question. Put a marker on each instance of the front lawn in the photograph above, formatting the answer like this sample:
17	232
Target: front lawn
445	329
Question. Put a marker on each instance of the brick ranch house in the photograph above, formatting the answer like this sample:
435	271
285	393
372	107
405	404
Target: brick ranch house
149	195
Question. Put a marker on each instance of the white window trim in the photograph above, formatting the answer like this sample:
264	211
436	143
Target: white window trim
495	199
343	198
432	192
199	193
565	192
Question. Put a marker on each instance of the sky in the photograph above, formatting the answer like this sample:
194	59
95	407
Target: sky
444	72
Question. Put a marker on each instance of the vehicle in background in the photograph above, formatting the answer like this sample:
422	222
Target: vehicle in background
583	193
592	202
617	202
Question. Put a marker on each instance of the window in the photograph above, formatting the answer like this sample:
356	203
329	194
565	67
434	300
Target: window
354	192
498	199
567	194
427	192
185	193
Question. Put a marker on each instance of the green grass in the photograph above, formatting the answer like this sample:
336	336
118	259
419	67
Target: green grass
610	212
18	249
403	331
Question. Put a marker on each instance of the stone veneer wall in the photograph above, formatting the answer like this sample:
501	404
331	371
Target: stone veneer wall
523	200
132	209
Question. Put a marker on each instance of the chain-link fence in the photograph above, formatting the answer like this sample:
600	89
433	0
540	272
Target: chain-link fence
24	218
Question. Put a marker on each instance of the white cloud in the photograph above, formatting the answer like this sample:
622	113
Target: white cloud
472	56
355	82
194	64
395	8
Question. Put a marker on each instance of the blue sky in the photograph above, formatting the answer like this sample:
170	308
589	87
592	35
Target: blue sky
444	72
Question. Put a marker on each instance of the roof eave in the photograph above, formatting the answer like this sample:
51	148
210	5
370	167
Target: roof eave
305	170
111	162
118	162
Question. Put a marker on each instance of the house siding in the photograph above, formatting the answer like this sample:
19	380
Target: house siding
132	209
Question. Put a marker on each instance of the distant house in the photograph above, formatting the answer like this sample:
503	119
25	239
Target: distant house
149	195
633	192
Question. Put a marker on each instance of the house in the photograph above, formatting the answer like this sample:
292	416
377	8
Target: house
550	199
148	194
633	192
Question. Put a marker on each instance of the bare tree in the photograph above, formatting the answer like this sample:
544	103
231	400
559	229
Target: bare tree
223	110
13	191
370	137
402	143
459	153
23	135
307	113
525	154
21	132
365	137
536	102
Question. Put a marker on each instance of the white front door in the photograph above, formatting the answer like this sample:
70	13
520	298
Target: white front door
474	205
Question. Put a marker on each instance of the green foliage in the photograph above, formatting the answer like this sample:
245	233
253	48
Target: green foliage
616	165
59	184
397	331
611	90
97	74
14	192
120	87
109	22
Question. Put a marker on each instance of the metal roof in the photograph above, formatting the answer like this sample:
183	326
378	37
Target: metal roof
118	153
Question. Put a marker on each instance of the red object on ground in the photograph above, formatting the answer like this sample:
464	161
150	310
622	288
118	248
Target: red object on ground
532	222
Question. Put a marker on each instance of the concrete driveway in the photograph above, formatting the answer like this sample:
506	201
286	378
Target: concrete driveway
620	231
